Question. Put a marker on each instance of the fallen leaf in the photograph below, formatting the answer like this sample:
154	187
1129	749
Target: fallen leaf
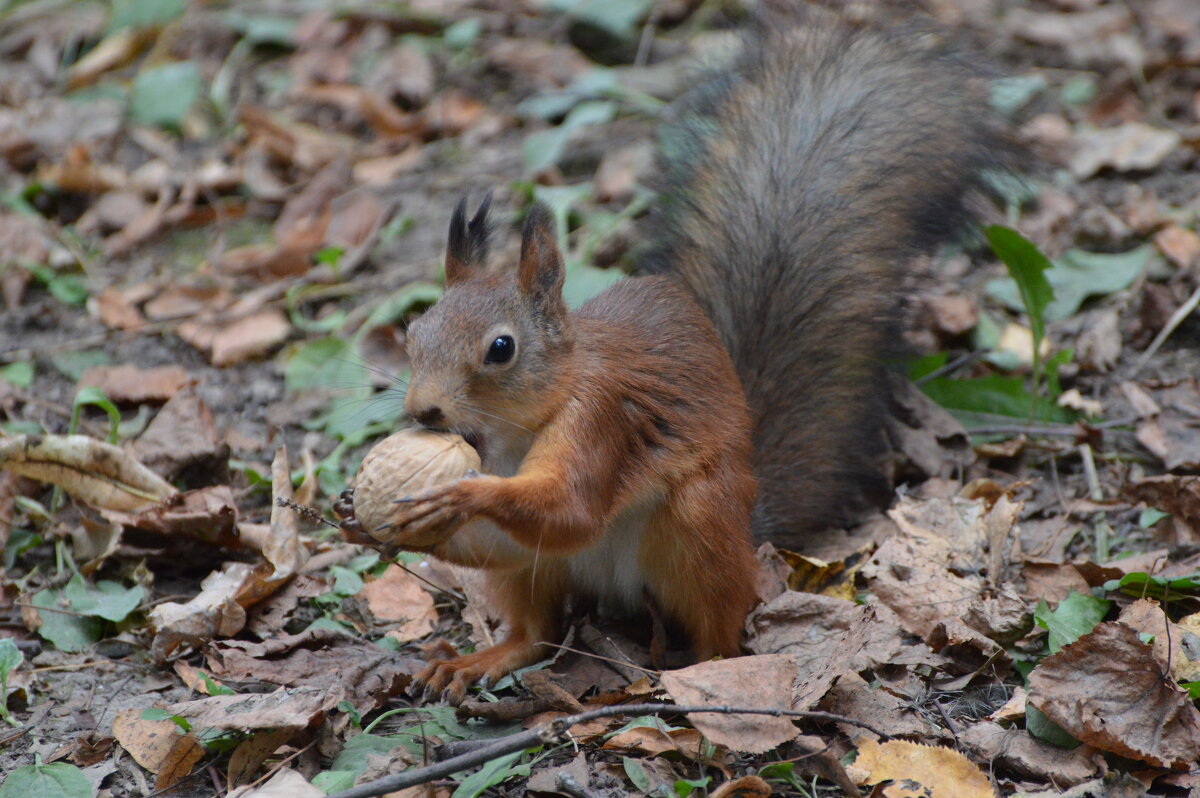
159	746
762	682
283	548
1017	749
1170	643
250	754
347	668
1128	147
128	384
213	613
96	472
942	772
1177	495
651	741
1107	690
286	708
1179	244
287	783
399	596
745	787
249	337
182	441
205	514
116	311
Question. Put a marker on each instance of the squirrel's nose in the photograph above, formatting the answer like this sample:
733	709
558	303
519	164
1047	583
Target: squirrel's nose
429	416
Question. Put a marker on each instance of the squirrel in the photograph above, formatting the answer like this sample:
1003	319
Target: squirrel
731	392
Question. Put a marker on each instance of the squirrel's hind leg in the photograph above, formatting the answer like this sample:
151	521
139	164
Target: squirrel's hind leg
530	600
699	560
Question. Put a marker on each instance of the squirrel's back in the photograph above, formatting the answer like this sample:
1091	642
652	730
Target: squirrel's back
795	189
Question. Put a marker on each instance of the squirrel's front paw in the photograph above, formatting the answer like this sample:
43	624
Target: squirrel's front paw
423	521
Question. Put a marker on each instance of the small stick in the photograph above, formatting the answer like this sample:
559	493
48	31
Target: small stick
556	732
1176	319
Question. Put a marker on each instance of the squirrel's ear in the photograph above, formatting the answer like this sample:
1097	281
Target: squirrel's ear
467	244
540	273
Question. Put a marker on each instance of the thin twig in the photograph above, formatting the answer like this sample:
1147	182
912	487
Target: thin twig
602	658
556	732
1176	319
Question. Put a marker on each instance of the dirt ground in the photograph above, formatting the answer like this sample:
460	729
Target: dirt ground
222	216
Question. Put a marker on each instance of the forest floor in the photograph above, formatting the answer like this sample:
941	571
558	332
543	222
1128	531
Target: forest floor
216	220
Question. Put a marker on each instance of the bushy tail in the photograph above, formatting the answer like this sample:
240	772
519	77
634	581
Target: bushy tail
796	187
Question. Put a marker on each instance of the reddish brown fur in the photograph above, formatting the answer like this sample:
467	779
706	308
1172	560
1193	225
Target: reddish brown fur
633	407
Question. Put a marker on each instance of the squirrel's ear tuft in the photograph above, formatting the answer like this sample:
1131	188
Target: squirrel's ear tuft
540	273
467	244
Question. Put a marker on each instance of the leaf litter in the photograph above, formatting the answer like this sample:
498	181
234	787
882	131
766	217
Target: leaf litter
223	218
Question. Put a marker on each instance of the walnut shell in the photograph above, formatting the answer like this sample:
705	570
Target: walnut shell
405	464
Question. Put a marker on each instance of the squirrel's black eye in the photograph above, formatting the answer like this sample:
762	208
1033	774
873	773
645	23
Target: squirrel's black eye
501	350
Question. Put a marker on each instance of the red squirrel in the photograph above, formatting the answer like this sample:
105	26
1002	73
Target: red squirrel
622	444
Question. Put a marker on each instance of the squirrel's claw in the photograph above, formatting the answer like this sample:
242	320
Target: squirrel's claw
428	519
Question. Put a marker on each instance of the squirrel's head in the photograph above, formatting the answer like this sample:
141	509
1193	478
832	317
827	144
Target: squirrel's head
484	357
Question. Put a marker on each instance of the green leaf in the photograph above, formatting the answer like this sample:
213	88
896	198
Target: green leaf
993	395
258	29
155	713
1077	275
543	148
584	282
411	297
1193	690
345	581
73	364
1041	727
636	774
1150	516
106	600
214	687
325	363
354	715
69	289
1159	587
491	774
10	659
70	633
782	771
685	787
56	780
1011	94
618	17
91	395
1027	267
19	374
1075	616
332	781
163	95
462	34
144	13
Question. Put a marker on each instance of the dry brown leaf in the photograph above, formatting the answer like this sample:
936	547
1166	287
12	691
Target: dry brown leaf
1177	495
1107	690
1015	748
182	439
250	754
1179	244
182	301
876	705
762	681
249	337
807	626
306	146
214	612
206	514
916	573
112	52
286	708
116	311
745	787
1127	147
96	472
287	783
283	548
159	746
347	668
128	384
397	595
943	772
1148	618
79	174
652	742
570	779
